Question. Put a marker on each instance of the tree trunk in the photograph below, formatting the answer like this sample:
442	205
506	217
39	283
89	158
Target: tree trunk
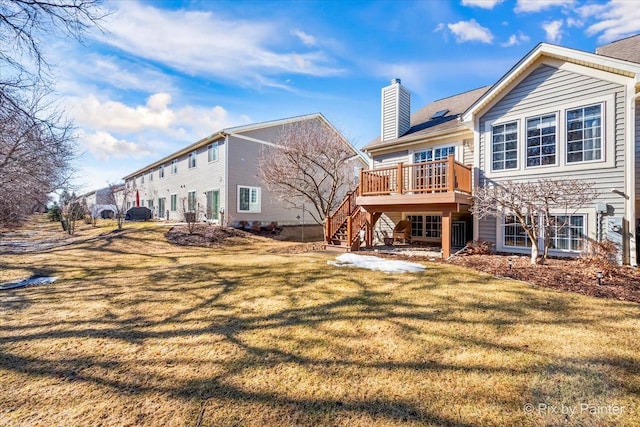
534	253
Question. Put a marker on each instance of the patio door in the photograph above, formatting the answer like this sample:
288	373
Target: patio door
458	234
431	176
161	207
213	204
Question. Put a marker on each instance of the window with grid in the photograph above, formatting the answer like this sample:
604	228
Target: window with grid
161	172
541	140
514	234
174	166
568	232
504	146
174	202
432	226
584	134
192	160
248	199
150	176
416	225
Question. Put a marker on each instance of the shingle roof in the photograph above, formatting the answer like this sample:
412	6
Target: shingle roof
422	125
626	49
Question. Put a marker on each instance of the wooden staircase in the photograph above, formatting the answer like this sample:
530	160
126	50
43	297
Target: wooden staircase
342	229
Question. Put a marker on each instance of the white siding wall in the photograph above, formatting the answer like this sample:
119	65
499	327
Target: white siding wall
548	89
204	177
391	159
395	111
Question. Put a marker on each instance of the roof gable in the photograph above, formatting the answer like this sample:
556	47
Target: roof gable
553	52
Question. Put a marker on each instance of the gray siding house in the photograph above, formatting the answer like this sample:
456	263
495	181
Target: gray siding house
558	113
216	177
564	113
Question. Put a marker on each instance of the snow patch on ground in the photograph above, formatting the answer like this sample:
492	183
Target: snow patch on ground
376	264
32	281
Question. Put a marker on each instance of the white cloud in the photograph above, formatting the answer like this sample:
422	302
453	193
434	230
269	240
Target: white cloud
115	72
484	4
104	146
305	38
539	5
116	116
516	39
553	30
155	119
574	23
616	20
439	27
203	43
466	31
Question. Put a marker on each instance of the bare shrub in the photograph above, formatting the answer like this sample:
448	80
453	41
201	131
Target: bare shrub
600	256
479	247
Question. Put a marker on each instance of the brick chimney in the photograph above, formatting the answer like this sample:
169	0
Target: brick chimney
396	111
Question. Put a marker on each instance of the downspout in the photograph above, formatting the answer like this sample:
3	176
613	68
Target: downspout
630	177
226	213
475	179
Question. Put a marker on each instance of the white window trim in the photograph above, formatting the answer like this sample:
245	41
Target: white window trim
170	197
252	209
217	149
608	139
195	156
161	172
589	233
456	144
525	137
174	162
603	138
195	200
489	137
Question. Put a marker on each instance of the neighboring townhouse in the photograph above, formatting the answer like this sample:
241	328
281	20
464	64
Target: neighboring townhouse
216	177
100	203
558	113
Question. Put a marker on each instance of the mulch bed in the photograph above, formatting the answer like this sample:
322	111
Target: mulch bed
573	275
207	235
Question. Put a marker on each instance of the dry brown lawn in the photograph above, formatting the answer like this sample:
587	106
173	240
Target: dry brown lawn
138	331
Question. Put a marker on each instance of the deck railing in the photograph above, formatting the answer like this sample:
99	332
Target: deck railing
428	177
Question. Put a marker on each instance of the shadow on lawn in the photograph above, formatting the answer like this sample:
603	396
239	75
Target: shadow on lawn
223	301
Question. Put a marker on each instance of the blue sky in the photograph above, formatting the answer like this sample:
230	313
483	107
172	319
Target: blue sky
164	74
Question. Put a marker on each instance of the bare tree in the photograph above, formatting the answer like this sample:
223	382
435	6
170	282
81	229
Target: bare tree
36	148
541	207
311	168
118	196
36	143
72	209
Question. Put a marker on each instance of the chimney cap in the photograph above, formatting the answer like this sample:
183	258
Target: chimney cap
396	80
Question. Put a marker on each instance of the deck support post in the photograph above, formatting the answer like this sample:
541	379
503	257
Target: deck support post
399	183
446	234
